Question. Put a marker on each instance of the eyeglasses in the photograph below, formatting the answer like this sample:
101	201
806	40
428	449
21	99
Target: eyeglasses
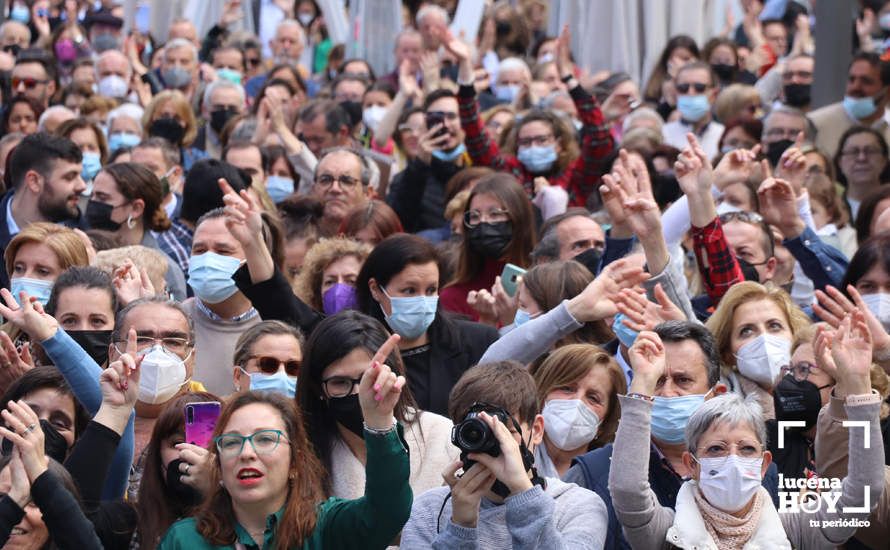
269	365
783	133
339	386
29	83
721	450
534	140
754	219
472	218
447	115
326	181
855	152
174	344
253	61
409	128
698	86
263	442
801	371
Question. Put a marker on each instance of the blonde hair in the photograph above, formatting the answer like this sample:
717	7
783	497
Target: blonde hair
65	243
457	205
720	323
183	110
570	364
153	261
732	100
307	285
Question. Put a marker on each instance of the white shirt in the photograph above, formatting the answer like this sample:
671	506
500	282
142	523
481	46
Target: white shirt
675	135
270	16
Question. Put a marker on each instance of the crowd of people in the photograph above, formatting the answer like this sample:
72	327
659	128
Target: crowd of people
255	295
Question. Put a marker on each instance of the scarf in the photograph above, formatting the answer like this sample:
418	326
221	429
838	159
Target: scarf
728	531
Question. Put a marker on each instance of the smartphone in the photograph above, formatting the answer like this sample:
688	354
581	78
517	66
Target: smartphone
510	278
200	420
433	118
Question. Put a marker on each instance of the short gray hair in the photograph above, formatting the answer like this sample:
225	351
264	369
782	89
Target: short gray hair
121	316
679	331
50	111
514	64
177	43
222	84
431	9
728	408
809	129
643	113
130	110
366	173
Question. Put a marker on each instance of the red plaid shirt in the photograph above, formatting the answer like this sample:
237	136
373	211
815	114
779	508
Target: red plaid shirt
580	178
717	264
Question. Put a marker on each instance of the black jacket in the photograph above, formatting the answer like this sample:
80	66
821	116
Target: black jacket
417	194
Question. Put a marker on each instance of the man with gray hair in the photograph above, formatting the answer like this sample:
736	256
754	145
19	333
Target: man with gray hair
179	66
223	100
53	117
342	182
113	74
780	128
430	20
14	36
568	235
692	375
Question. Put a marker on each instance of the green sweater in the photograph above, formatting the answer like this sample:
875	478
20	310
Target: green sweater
372	521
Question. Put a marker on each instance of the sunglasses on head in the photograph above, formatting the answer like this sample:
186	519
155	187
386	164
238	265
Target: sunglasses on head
699	87
269	365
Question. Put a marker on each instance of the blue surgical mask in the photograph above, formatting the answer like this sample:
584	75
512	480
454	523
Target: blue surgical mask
411	316
537	159
450	156
279	188
670	415
625	334
36	288
20	13
122	139
210	276
507	92
279	382
522	317
229	74
92	163
693	107
859	107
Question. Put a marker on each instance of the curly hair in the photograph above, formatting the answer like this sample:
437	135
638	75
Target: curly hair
325	252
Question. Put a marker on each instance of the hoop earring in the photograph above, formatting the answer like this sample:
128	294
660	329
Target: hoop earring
130	223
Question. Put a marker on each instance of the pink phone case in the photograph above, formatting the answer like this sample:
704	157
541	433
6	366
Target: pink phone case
200	420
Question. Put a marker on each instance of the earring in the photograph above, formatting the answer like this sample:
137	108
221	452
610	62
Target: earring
130	223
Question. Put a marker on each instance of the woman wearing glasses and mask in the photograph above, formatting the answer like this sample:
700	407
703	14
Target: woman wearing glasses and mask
267	357
266	483
724	504
861	164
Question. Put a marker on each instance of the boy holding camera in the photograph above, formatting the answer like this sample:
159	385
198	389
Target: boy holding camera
499	501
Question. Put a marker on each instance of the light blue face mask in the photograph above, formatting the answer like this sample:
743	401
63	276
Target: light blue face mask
670	415
450	156
210	276
859	107
229	74
279	382
279	188
625	334
537	159
36	288
122	139
20	13
92	163
522	317
693	107
411	316
507	92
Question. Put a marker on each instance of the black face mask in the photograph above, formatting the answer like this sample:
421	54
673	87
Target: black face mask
354	110
775	149
168	129
723	71
491	239
94	342
99	216
186	494
797	400
54	445
748	270
347	411
797	95
590	259
220	117
502	28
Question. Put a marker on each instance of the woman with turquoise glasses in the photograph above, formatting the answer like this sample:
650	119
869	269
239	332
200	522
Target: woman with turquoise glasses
267	483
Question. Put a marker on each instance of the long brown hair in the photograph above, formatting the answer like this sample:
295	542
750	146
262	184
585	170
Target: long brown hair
135	181
215	519
158	509
564	135
510	193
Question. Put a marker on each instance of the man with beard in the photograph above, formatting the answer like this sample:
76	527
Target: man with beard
44	184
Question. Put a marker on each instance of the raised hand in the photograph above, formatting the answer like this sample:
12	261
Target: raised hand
20	488
693	169
195	467
778	207
13	364
29	317
629	181
24	431
851	350
792	165
833	306
467	491
643	314
131	283
380	388
430	142
736	166
243	219
597	300
408	81
456	47
232	13
508	467
647	359
564	52
120	381
822	343
484	304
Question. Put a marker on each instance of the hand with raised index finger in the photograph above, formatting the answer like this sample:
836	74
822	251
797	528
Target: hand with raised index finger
380	388
29	316
120	381
243	219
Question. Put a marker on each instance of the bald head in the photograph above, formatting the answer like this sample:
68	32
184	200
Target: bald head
113	62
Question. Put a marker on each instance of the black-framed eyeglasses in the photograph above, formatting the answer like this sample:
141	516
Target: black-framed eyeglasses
339	386
179	346
447	115
856	152
263	442
472	218
800	370
697	86
326	181
534	140
269	365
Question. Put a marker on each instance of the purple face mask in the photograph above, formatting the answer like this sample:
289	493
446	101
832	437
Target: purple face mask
66	51
339	297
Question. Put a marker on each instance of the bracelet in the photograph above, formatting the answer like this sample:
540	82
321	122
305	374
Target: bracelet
881	354
382	432
567	78
642	396
864	399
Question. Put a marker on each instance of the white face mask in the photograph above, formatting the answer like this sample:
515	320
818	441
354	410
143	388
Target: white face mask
729	482
761	358
372	116
879	306
569	423
725	208
162	374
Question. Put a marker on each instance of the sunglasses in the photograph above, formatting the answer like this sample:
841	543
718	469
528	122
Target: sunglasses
699	87
29	83
269	365
253	61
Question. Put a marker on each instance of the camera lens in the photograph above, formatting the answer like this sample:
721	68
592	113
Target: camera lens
473	435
